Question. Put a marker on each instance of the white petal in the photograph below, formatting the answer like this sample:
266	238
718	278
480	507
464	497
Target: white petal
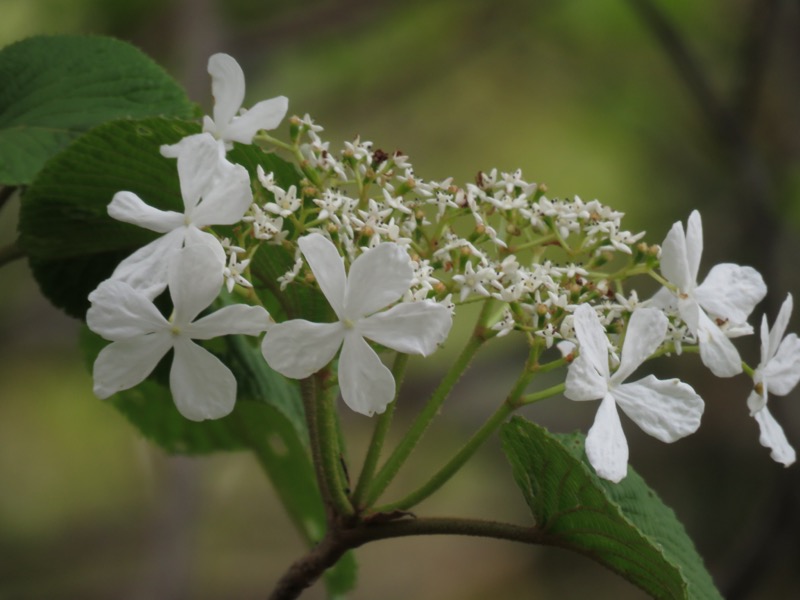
667	410
583	381
773	437
378	278
194	236
226	201
202	387
779	328
227	87
195	280
198	164
731	292
229	320
367	385
717	351
265	115
299	348
782	372
591	338
129	208
411	327
328	268
606	445
694	244
146	269
664	299
123	364
674	261
119	312
646	331
756	402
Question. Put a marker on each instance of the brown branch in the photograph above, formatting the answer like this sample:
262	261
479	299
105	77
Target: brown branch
11	253
305	571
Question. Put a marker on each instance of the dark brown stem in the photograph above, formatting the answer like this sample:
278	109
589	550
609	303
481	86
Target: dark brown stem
10	253
305	571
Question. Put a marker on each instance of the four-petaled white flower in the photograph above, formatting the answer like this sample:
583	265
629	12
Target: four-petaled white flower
202	387
727	296
777	373
378	277
227	86
214	191
667	410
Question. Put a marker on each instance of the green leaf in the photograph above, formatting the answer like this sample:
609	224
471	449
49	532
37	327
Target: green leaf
57	87
64	225
267	419
623	526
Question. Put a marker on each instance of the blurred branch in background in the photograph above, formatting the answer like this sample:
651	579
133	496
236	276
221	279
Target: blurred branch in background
732	124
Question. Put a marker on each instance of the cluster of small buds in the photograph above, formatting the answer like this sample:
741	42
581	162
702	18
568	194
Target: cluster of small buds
361	196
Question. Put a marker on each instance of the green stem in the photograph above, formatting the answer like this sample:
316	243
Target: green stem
425	418
328	448
541	395
379	434
453	466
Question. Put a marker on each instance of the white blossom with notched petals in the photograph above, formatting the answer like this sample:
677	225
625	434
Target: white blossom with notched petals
728	295
667	410
227	86
214	192
777	373
378	277
202	387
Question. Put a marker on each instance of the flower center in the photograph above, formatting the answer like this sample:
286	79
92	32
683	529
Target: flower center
348	324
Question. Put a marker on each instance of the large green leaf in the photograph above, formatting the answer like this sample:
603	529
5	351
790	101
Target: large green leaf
56	87
623	526
64	227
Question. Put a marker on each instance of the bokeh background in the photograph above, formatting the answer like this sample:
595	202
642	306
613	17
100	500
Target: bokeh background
653	107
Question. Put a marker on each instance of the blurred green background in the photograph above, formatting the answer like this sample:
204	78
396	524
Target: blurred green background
653	108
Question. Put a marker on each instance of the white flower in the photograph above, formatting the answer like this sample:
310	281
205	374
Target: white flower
227	86
378	277
778	373
728	295
214	191
202	387
667	410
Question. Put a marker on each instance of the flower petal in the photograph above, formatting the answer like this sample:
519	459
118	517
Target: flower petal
773	437
606	445
227	200
202	387
328	268
199	159
694	244
367	385
782	372
129	208
195	279
266	115
779	328
674	260
120	312
717	351
592	338
378	277
667	410
410	327
583	381
125	363
229	320
146	269
731	292
299	348
227	87
646	330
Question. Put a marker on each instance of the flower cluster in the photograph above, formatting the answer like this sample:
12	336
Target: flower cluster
395	256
